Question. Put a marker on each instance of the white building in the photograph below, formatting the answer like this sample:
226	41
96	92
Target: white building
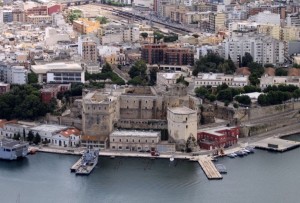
59	72
167	78
293	19
264	49
182	123
134	140
55	134
266	17
52	36
266	81
17	75
216	79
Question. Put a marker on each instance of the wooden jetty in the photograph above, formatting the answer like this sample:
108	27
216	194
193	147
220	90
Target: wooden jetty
209	168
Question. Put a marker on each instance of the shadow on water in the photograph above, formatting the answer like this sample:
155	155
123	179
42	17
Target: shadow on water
11	165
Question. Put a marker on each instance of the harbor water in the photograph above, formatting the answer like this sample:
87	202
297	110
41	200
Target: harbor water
259	177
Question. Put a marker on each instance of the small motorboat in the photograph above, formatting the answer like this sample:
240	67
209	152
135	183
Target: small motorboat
239	153
232	155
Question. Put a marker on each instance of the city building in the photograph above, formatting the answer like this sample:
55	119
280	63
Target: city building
264	49
59	73
39	19
216	79
87	48
115	33
167	78
182	124
129	140
217	21
162	54
4	88
293	19
266	81
99	114
266	17
18	15
85	26
217	138
17	75
50	91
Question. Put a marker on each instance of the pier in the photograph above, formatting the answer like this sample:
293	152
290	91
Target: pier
276	144
209	168
76	166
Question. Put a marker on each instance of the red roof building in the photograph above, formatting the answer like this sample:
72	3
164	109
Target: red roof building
51	90
220	137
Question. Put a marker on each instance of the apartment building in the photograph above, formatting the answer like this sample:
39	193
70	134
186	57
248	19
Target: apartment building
217	21
87	48
293	19
117	33
17	75
264	49
85	26
162	54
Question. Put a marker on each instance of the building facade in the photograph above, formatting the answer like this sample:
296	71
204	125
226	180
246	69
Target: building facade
162	54
134	140
216	79
182	123
216	138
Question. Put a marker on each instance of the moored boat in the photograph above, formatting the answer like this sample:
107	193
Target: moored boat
13	149
88	162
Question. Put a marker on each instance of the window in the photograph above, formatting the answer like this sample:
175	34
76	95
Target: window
152	141
120	147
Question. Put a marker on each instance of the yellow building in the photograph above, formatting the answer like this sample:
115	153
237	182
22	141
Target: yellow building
85	26
289	33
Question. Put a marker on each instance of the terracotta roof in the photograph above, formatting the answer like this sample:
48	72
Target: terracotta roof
70	131
4	121
93	138
293	72
243	71
270	71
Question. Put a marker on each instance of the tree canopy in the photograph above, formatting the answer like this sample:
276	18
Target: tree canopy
213	63
23	102
246	59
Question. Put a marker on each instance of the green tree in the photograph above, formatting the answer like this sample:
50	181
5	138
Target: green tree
158	36
137	80
153	75
235	105
243	99
225	95
138	69
281	72
144	35
251	88
102	19
30	136
36	139
296	94
246	59
201	92
106	68
212	98
32	78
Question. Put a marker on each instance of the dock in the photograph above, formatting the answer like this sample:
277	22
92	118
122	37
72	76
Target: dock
84	170
76	165
209	168
276	144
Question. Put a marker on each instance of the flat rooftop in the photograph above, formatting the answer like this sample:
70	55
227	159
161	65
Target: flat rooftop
214	130
10	143
43	69
133	133
49	128
182	110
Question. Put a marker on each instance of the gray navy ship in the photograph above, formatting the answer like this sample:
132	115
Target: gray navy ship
13	149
